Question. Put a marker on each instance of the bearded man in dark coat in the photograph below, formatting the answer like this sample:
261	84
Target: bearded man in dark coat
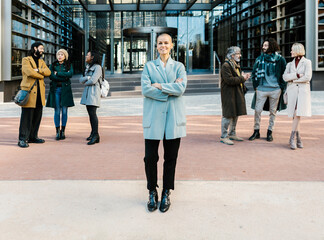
232	94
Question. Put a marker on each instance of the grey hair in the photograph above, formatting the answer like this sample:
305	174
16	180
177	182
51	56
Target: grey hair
232	50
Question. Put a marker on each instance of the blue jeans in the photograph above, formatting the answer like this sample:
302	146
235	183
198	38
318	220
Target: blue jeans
58	108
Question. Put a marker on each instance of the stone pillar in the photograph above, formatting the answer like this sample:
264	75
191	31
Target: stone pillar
5	59
86	32
112	44
311	31
211	40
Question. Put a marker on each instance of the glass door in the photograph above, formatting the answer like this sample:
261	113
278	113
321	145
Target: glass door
136	53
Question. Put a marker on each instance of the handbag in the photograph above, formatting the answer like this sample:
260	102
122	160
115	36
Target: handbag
104	88
22	96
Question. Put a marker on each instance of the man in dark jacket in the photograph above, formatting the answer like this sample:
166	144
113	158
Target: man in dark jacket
268	84
232	94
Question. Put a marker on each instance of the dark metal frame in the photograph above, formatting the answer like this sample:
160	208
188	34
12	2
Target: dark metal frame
138	6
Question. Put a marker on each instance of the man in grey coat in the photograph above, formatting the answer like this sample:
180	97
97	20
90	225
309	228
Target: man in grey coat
232	94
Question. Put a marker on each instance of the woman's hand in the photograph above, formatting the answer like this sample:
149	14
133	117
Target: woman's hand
157	85
179	80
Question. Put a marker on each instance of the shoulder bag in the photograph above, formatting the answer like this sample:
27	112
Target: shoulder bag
22	96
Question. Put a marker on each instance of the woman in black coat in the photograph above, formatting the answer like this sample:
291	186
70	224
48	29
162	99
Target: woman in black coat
60	95
232	94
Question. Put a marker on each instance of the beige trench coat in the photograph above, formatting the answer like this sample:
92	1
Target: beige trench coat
298	89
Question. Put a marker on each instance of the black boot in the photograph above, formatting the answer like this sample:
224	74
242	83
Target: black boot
89	138
165	200
62	133
57	133
269	136
255	135
95	139
153	200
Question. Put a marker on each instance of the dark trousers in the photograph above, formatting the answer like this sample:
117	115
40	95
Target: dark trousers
29	122
171	149
92	111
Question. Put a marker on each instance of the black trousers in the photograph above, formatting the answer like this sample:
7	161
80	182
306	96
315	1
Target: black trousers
29	122
171	149
92	111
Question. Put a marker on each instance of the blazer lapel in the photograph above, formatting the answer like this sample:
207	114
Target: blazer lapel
160	69
301	62
168	70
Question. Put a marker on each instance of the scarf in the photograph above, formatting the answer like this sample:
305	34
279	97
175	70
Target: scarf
236	67
297	60
266	62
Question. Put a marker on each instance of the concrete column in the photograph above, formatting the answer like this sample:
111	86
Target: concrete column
1	48
112	44
86	32
5	40
187	50
311	32
211	40
178	38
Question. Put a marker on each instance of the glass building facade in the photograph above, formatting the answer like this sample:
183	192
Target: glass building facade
250	22
125	31
55	23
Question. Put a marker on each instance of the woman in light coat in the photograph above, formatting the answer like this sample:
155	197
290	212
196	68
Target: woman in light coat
298	74
92	79
163	84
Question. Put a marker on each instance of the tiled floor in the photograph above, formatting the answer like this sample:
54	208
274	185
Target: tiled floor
202	157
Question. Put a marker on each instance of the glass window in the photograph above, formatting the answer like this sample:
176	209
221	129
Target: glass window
138	19
245	14
321	35
244	5
321	3
256	10
18	26
271	27
19	42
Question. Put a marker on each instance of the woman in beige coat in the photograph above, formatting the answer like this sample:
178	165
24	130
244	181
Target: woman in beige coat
298	74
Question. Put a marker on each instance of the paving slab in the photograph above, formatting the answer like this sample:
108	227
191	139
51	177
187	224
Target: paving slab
208	210
119	155
252	190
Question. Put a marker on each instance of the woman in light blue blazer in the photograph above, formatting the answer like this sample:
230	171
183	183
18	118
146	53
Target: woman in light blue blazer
91	94
163	83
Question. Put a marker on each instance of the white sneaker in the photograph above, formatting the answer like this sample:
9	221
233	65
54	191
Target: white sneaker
236	138
226	141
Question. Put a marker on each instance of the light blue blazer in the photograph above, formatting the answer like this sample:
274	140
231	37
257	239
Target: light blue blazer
164	110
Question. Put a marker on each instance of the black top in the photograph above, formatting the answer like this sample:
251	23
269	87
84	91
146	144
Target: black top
36	60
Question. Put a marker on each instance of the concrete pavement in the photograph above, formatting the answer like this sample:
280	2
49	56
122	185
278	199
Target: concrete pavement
101	210
252	190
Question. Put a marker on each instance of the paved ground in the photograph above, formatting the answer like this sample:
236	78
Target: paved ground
252	190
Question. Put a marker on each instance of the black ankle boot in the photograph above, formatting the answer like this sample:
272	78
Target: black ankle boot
89	138
255	135
95	139
57	133
269	136
153	200
165	200
62	133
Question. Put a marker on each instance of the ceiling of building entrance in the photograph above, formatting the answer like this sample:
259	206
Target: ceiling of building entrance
148	5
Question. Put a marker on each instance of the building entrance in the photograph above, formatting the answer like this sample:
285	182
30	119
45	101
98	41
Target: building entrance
139	46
